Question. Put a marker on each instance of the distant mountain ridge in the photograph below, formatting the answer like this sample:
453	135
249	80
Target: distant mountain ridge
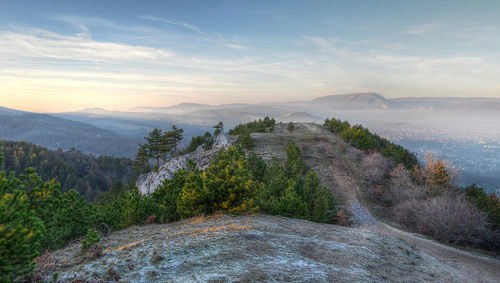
368	100
56	132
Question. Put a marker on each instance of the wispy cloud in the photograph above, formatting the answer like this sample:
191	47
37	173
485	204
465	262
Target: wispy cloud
171	22
235	46
43	63
421	29
79	21
44	44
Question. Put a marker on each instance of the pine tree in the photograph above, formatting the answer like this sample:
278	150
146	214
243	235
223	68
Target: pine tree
141	163
219	128
155	146
20	233
91	238
170	140
295	165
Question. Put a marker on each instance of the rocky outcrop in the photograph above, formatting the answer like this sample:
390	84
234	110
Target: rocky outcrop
147	183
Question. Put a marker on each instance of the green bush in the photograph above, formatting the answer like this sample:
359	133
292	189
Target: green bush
91	238
259	126
287	192
488	203
290	126
243	131
206	141
363	139
20	234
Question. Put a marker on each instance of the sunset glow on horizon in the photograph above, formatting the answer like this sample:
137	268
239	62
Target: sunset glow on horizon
67	56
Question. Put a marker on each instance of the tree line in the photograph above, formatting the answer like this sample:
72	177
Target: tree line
362	138
159	147
243	131
206	140
90	175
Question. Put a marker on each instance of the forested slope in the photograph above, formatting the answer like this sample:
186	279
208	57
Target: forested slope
88	174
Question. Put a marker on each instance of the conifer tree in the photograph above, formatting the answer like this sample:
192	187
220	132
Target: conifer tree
295	165
170	140
20	230
141	163
219	128
154	145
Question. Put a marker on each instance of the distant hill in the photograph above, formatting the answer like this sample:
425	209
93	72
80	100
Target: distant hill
173	108
88	174
353	101
55	132
9	112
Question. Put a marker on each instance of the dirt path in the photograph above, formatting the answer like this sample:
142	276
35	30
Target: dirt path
336	164
467	264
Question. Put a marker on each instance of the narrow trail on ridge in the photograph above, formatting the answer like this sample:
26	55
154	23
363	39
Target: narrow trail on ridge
337	166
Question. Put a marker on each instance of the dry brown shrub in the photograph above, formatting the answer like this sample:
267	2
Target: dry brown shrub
401	187
151	219
113	275
436	175
95	251
449	217
342	219
376	167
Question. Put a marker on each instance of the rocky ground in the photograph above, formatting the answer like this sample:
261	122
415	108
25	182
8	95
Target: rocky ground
251	249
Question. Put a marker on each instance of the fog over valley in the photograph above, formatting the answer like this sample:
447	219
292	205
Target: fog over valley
463	131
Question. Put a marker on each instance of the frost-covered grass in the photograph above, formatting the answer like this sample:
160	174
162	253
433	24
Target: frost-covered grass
247	248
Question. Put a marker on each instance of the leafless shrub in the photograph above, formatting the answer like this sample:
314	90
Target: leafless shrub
342	219
151	219
44	266
95	251
156	257
449	217
376	168
113	275
401	187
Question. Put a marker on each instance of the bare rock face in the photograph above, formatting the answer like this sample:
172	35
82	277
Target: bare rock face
148	183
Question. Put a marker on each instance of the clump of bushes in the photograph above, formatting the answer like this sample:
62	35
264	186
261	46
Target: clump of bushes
206	140
265	125
20	234
425	201
362	138
449	217
234	183
243	131
376	168
91	238
490	204
423	197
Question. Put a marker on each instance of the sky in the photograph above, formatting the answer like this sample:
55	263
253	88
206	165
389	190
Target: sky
66	55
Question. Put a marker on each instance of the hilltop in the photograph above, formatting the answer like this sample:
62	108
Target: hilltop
258	247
